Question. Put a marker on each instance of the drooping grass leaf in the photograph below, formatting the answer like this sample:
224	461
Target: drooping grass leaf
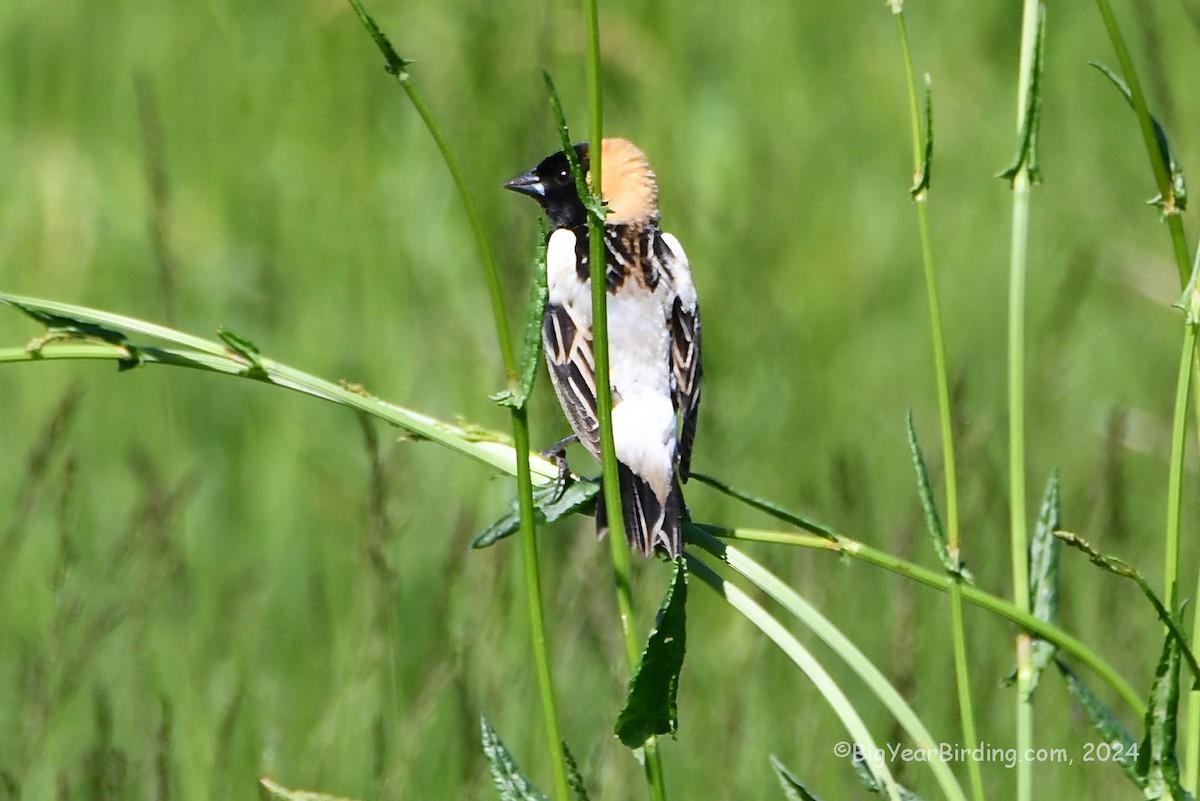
1166	154
531	348
650	705
550	502
595	206
574	777
510	781
1027	156
1044	555
933	523
1109	726
793	789
281	793
763	505
1156	762
925	176
1122	568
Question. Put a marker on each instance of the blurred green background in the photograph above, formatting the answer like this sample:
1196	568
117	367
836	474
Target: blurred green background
198	585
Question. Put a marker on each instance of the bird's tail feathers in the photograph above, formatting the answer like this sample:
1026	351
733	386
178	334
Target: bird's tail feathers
650	525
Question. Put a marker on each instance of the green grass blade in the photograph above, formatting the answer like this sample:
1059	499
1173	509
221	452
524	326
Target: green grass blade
793	788
509	780
933	523
517	395
1045	551
1109	726
1156	762
574	777
803	659
764	505
866	670
650	708
277	792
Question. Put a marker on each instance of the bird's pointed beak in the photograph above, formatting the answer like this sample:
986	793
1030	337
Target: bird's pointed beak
527	183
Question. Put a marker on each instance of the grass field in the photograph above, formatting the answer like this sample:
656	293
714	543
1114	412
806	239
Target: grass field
204	581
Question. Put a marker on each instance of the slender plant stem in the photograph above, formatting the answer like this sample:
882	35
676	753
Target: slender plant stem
612	489
1019	535
949	461
939	581
398	67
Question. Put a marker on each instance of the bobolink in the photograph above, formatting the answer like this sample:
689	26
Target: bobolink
653	335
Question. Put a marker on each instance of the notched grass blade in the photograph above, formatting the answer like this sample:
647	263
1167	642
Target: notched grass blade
510	781
594	205
923	178
650	707
1166	154
1027	158
550	502
793	789
933	523
574	777
1106	723
277	792
245	350
1045	551
1156	762
531	349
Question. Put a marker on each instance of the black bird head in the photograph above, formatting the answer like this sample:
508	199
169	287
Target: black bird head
553	187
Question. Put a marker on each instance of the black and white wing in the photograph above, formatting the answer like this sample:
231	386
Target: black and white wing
684	322
567	339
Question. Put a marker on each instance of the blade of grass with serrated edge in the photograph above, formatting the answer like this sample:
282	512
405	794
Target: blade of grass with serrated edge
650	707
509	780
803	659
1045	551
866	670
1027	154
793	788
574	777
1166	153
1105	721
551	502
531	344
933	523
763	505
1156	761
925	176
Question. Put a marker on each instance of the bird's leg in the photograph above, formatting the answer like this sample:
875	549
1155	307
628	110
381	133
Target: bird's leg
557	453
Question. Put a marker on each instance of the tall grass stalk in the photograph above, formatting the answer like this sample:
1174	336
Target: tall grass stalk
617	545
922	166
398	67
1032	19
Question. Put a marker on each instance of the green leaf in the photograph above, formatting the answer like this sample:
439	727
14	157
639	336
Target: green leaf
1156	762
278	791
650	705
1045	551
933	523
510	781
518	396
793	790
247	351
1026	158
876	787
1166	154
922	183
574	777
551	501
595	207
764	505
1106	723
396	65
